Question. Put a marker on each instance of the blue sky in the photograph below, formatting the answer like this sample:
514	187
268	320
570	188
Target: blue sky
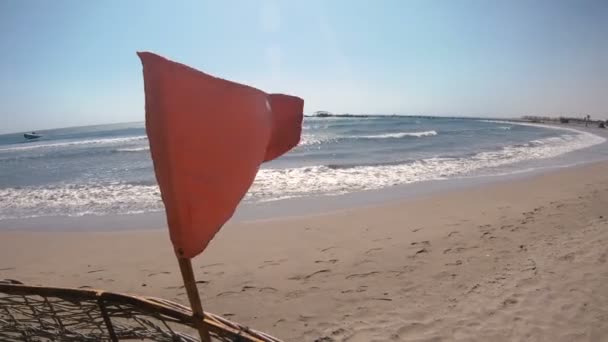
67	63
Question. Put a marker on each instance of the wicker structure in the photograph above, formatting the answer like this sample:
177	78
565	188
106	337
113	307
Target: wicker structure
32	313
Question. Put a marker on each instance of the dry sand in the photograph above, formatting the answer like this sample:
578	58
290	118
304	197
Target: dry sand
512	261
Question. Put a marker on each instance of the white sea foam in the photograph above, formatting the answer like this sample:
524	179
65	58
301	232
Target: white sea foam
78	200
133	149
273	184
398	135
319	180
309	139
37	145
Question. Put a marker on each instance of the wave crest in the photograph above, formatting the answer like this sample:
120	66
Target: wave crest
132	149
76	142
332	179
398	135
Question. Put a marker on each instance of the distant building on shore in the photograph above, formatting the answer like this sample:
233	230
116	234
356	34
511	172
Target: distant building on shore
322	114
586	119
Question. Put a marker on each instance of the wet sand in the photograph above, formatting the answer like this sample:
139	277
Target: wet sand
516	260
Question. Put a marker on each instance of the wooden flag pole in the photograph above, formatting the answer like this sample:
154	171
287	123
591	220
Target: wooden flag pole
185	267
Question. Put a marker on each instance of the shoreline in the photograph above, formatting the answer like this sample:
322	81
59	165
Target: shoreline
320	204
478	263
286	208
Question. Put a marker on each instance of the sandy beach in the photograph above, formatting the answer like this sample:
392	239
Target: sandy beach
511	261
332	171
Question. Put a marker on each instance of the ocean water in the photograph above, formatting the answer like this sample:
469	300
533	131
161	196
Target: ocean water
106	169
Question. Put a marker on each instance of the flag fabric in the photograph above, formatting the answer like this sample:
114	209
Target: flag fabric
208	137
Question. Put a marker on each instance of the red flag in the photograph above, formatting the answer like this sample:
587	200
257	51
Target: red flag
208	137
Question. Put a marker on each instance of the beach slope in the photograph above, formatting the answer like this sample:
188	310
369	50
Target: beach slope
516	260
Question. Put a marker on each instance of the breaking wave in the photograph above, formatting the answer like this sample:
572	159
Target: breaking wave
273	184
398	135
32	146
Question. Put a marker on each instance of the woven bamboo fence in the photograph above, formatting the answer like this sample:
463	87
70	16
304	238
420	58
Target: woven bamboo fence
33	314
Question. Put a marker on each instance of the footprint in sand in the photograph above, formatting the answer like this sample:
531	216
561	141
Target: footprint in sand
324	339
211	265
456	263
95	271
488	236
497	280
359	289
383	299
531	266
157	273
372	250
330	261
269	263
308	276
567	257
295	294
475	288
443	275
268	289
327	249
420	252
362	275
382	239
398	273
452	233
516	228
305	318
174	287
421	243
457	250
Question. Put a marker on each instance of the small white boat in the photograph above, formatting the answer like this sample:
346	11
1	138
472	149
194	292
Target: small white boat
31	136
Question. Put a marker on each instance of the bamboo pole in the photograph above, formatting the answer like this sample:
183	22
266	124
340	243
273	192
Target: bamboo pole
185	267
